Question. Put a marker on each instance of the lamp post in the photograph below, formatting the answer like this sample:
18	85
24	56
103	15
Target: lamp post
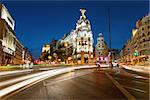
109	36
66	52
76	48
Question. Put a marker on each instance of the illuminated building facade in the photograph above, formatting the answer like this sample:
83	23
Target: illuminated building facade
7	36
45	52
84	39
137	49
81	40
10	47
46	48
101	49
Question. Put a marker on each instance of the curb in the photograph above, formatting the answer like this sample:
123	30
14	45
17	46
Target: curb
135	69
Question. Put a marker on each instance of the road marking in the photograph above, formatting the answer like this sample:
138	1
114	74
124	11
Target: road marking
137	76
134	89
124	91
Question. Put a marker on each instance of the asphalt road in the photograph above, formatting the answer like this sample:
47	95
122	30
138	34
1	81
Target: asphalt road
6	78
137	84
88	84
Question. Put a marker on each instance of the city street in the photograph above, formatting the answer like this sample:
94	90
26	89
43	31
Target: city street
8	78
87	84
74	50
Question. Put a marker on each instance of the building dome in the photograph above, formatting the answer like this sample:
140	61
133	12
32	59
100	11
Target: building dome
100	35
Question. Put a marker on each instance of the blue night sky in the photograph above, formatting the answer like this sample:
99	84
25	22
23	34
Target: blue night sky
38	22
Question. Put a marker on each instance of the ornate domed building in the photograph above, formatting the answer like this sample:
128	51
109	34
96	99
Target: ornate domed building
101	49
83	39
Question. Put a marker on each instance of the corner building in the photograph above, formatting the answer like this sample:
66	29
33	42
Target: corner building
84	39
139	44
81	40
101	49
7	37
11	50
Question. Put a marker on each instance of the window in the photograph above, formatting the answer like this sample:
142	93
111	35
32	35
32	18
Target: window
14	40
5	33
148	33
86	22
148	27
82	43
10	20
85	43
143	35
142	28
90	39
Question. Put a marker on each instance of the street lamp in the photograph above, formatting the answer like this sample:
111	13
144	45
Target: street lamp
66	51
110	48
65	44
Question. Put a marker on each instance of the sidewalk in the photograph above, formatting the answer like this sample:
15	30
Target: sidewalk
10	68
142	69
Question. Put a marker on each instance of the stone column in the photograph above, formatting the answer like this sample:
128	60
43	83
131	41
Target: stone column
89	58
1	53
82	57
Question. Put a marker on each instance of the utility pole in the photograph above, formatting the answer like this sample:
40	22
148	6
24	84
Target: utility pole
109	36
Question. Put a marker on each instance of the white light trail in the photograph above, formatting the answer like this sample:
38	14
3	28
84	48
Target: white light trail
8	82
39	78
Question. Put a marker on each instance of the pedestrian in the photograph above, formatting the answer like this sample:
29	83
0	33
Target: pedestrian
98	64
117	69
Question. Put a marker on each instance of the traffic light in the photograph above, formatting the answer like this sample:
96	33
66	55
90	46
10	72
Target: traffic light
135	53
